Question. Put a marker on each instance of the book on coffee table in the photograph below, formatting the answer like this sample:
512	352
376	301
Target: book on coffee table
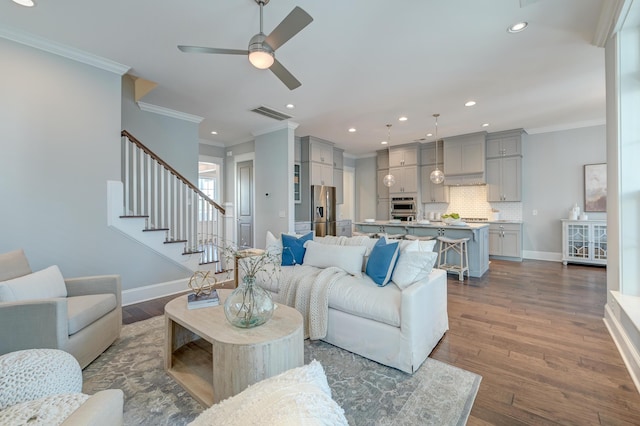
202	301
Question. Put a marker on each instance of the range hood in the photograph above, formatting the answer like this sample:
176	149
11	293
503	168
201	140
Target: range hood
464	159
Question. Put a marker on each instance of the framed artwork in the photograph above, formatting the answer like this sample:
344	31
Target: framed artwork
595	187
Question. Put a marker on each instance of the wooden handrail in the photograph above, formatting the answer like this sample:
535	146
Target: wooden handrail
172	170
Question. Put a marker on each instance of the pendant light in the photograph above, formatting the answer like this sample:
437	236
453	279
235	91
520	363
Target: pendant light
389	179
437	176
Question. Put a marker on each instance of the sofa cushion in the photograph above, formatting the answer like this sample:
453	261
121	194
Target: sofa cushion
381	261
300	396
293	248
85	310
417	245
413	266
13	265
363	298
347	258
45	284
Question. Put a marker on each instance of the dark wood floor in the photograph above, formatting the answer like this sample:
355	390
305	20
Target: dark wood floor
534	332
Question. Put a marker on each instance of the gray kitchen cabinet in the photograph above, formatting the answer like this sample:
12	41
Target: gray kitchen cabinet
381	189
403	156
431	192
338	158
319	151
382	159
464	154
505	240
504	144
406	180
504	179
428	154
504	166
383	208
343	228
321	174
338	182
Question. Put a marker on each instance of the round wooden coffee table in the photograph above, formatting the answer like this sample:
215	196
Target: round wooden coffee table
214	360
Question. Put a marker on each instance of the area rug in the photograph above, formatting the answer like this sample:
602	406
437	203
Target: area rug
370	393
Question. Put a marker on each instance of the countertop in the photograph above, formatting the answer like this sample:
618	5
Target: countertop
432	224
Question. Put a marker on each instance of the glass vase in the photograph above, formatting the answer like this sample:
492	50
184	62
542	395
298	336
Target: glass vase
249	305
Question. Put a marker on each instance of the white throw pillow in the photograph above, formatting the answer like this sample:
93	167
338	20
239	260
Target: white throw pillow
347	258
45	284
300	396
417	245
413	266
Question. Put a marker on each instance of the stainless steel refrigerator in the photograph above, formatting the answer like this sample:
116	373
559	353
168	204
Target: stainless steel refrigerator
323	210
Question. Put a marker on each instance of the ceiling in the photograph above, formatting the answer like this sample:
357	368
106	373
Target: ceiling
362	63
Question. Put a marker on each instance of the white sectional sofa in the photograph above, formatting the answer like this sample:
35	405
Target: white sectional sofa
395	325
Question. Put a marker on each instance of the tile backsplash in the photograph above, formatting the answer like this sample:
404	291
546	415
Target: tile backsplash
471	201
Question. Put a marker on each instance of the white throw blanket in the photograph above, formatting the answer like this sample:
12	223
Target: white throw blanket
306	289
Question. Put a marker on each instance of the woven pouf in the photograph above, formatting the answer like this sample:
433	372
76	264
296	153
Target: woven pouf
37	373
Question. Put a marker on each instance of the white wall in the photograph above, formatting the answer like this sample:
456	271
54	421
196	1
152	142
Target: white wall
552	181
60	143
273	168
175	141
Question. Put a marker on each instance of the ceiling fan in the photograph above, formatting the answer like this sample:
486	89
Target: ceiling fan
262	48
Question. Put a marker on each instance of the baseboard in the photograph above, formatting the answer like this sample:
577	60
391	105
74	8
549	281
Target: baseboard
620	337
542	255
154	291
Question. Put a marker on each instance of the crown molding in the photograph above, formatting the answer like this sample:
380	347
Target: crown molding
567	126
212	143
62	50
284	125
169	112
609	20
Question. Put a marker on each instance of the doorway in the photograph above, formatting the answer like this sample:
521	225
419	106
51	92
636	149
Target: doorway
244	191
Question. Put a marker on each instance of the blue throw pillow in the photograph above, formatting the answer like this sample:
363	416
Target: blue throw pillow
293	248
381	262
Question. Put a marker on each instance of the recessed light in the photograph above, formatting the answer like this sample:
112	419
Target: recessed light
290	106
213	132
516	28
429	134
384	142
485	125
27	3
470	103
403	118
352	130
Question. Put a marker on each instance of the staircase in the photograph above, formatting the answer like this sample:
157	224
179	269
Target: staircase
158	207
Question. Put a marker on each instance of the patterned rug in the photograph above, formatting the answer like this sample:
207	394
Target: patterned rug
370	393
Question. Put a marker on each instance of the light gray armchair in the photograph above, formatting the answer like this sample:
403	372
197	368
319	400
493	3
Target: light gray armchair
82	316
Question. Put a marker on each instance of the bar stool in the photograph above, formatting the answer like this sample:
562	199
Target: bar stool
459	246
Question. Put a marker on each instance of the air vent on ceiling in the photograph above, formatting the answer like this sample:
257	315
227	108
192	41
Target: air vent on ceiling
271	113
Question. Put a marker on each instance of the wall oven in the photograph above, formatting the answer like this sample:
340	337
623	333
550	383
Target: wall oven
403	208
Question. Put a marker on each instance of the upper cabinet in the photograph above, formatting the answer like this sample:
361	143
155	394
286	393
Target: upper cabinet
382	159
504	166
428	154
317	150
406	180
338	174
403	156
464	159
431	192
501	145
338	158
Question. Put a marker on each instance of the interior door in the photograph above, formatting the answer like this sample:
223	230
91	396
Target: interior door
244	173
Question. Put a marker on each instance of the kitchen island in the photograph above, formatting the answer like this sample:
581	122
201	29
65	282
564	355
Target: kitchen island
477	246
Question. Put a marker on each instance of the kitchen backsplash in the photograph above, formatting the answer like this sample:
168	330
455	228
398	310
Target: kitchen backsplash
471	201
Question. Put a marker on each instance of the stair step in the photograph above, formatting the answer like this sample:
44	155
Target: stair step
154	229
193	252
209	263
134	216
175	241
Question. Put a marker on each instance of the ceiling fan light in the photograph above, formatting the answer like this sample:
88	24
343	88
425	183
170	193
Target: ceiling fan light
261	59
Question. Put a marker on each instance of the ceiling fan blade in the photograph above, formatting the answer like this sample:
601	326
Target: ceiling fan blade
284	75
198	49
290	26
